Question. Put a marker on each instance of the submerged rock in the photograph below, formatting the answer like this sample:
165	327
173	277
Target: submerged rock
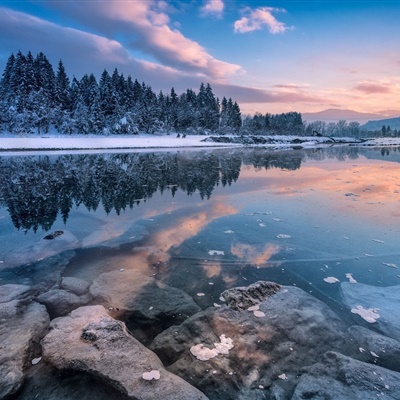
90	340
297	329
143	301
369	346
339	377
383	302
59	302
21	328
75	285
11	292
241	298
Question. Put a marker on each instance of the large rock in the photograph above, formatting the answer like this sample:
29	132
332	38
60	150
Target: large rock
59	302
290	329
21	328
50	245
75	285
90	340
380	302
369	346
9	292
144	302
337	377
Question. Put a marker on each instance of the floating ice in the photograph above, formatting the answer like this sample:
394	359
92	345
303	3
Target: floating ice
36	360
203	353
153	374
283	236
262	225
229	231
361	350
282	376
370	315
254	308
374	354
216	305
378	241
390	265
258	314
200	294
216	253
350	278
331	279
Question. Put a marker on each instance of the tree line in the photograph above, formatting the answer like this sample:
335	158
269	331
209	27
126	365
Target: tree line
34	97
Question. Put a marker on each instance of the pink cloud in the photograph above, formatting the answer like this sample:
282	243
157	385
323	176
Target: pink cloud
147	27
256	19
371	87
213	7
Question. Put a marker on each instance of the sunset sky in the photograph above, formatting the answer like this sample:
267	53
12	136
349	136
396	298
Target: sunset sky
270	56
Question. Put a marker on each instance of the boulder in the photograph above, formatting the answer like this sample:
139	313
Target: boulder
366	345
339	377
89	340
59	302
21	328
144	302
281	332
9	292
75	285
380	306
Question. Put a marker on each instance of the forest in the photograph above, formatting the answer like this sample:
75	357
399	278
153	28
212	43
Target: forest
36	98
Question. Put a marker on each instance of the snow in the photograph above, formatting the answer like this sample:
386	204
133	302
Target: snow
331	279
370	315
57	142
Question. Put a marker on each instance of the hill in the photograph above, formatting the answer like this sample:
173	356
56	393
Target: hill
394	123
336	114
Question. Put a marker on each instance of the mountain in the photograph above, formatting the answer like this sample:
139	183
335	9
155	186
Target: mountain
394	123
336	114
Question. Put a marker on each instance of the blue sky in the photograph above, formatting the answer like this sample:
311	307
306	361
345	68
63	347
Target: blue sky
270	56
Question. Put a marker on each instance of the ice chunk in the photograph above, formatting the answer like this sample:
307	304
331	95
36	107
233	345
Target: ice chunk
350	278
153	374
216	253
282	376
370	315
258	314
203	353
331	279
390	265
283	236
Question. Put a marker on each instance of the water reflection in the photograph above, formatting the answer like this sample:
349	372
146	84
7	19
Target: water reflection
37	189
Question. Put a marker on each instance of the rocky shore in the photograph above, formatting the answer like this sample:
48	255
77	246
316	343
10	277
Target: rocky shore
266	341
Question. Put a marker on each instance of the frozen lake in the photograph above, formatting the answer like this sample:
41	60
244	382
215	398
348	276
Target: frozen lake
203	222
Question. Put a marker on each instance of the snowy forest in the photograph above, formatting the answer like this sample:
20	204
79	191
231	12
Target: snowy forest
35	98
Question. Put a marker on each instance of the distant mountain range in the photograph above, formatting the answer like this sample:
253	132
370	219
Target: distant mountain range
336	114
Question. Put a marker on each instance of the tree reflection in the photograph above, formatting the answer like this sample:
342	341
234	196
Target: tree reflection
37	189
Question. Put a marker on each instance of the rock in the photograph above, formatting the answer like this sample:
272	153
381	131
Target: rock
59	302
369	346
339	377
297	330
384	300
144	302
45	382
42	249
75	285
11	292
21	328
90	340
241	298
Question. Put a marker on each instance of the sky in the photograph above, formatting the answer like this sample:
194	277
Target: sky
269	56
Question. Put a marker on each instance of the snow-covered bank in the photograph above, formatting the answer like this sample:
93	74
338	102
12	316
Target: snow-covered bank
9	143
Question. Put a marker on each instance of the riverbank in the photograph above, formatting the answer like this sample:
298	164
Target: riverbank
27	143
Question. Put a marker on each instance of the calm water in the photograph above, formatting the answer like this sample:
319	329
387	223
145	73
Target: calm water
204	221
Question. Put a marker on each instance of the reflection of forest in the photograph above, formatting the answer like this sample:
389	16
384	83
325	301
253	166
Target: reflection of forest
36	189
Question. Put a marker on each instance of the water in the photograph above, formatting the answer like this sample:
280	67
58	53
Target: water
204	221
